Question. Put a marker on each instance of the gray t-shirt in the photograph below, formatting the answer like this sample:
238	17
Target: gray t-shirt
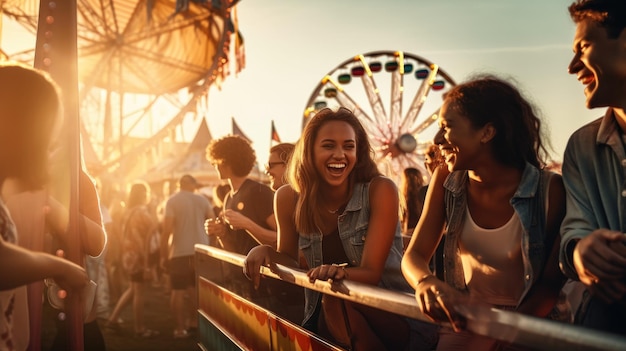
189	211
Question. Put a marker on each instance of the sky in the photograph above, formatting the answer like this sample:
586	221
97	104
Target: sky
291	45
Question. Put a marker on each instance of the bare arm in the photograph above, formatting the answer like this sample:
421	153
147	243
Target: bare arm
168	227
435	298
93	237
287	246
265	236
428	232
34	266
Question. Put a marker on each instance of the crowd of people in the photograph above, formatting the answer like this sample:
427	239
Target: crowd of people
484	222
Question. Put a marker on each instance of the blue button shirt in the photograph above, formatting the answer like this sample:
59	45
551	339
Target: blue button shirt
594	174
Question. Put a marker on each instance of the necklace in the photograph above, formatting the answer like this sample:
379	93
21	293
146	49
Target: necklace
334	211
338	210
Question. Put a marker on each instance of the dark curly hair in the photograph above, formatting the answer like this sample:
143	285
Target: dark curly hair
234	151
609	14
487	99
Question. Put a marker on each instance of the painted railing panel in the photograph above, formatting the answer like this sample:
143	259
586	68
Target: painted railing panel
512	327
246	326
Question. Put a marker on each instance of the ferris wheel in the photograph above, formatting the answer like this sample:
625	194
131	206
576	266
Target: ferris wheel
143	65
398	127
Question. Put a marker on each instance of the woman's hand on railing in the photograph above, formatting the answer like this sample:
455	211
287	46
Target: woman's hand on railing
332	272
259	256
436	300
482	319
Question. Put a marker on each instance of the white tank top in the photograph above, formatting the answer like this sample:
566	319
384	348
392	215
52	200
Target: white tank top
492	261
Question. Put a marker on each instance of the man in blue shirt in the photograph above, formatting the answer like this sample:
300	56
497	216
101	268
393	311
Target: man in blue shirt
593	245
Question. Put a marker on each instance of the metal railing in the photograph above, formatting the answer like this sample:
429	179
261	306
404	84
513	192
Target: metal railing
512	327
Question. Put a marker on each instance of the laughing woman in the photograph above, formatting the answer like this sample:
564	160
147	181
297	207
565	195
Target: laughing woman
343	215
499	210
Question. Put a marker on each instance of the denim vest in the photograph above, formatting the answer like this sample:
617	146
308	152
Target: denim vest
353	224
529	204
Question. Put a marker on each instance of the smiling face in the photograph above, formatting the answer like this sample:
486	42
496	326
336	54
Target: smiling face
599	63
275	170
335	152
460	142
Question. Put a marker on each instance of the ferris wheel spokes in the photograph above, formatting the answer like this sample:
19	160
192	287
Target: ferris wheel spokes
420	97
373	130
418	128
396	100
346	101
397	89
373	94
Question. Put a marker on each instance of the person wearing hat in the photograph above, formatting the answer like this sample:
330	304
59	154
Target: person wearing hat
185	213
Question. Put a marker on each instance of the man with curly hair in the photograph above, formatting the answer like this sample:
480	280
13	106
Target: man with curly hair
248	208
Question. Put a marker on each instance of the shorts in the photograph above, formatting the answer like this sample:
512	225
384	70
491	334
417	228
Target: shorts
182	272
137	277
153	259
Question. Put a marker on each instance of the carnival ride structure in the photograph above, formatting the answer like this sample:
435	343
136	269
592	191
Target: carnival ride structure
144	69
414	85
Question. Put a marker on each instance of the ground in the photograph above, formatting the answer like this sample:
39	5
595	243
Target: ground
157	317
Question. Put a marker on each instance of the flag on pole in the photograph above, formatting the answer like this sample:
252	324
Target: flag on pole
238	131
275	136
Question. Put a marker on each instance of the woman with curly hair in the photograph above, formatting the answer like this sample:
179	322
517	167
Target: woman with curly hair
498	209
342	214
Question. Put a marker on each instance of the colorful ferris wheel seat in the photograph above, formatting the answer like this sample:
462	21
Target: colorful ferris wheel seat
391	66
330	92
376	66
421	73
358	71
438	85
320	105
408	68
344	78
